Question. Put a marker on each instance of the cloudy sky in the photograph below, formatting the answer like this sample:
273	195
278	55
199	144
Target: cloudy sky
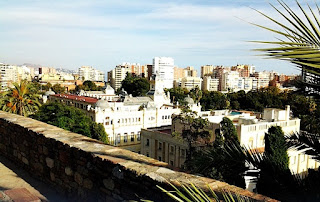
104	33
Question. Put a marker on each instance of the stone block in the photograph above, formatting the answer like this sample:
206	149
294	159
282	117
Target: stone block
25	161
50	162
68	171
78	178
109	184
52	176
88	184
45	150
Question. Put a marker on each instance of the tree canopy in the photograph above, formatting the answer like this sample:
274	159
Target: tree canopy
72	119
136	86
20	99
88	86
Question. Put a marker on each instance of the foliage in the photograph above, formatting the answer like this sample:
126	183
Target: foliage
178	95
276	147
136	86
88	86
20	100
228	131
47	87
214	100
194	130
299	44
196	94
72	119
192	193
308	143
57	88
214	162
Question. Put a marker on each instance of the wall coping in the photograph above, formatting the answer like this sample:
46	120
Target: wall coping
127	160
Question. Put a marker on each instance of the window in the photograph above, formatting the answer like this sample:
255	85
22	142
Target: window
147	143
118	138
139	119
125	137
138	136
159	158
132	137
183	153
147	154
160	146
171	163
251	142
172	149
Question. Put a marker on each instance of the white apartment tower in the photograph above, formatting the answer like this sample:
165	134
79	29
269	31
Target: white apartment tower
8	75
91	74
163	67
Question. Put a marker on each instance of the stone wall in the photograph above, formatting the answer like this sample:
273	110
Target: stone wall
86	168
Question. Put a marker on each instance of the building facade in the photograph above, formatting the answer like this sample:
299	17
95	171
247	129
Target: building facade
91	74
163	67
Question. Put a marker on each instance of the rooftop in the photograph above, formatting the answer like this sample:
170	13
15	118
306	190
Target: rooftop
76	97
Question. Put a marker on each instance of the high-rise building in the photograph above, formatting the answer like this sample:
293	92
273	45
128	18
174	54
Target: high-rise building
118	74
163	68
8	75
91	74
206	70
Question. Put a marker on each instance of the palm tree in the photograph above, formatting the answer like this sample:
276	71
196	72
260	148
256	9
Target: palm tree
19	99
299	43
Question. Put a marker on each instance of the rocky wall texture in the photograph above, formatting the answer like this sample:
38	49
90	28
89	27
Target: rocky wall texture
88	169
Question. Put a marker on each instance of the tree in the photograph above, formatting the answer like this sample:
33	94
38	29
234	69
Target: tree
136	86
214	100
194	130
276	147
88	86
196	94
20	100
178	95
72	119
57	88
214	162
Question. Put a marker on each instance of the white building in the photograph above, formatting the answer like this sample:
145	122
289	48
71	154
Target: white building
163	67
263	79
90	74
124	119
8	75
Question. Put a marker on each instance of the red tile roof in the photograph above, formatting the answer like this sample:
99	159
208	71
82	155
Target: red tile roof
76	97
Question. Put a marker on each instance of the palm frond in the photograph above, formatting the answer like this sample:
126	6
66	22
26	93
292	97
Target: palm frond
306	143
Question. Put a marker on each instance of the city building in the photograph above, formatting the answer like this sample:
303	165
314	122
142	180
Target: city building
123	119
117	75
191	82
206	70
91	74
210	84
8	75
163	67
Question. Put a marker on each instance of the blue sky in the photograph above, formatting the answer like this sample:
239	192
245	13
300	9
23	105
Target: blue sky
104	33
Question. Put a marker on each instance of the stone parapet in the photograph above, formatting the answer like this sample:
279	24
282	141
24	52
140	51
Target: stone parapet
78	165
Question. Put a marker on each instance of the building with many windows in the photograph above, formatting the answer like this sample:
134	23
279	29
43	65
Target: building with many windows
163	67
123	119
8	75
91	74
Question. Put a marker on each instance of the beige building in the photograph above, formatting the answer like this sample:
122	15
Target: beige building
210	84
206	70
159	144
91	74
8	75
191	82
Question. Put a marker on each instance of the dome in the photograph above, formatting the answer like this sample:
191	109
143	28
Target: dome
49	92
103	104
189	100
